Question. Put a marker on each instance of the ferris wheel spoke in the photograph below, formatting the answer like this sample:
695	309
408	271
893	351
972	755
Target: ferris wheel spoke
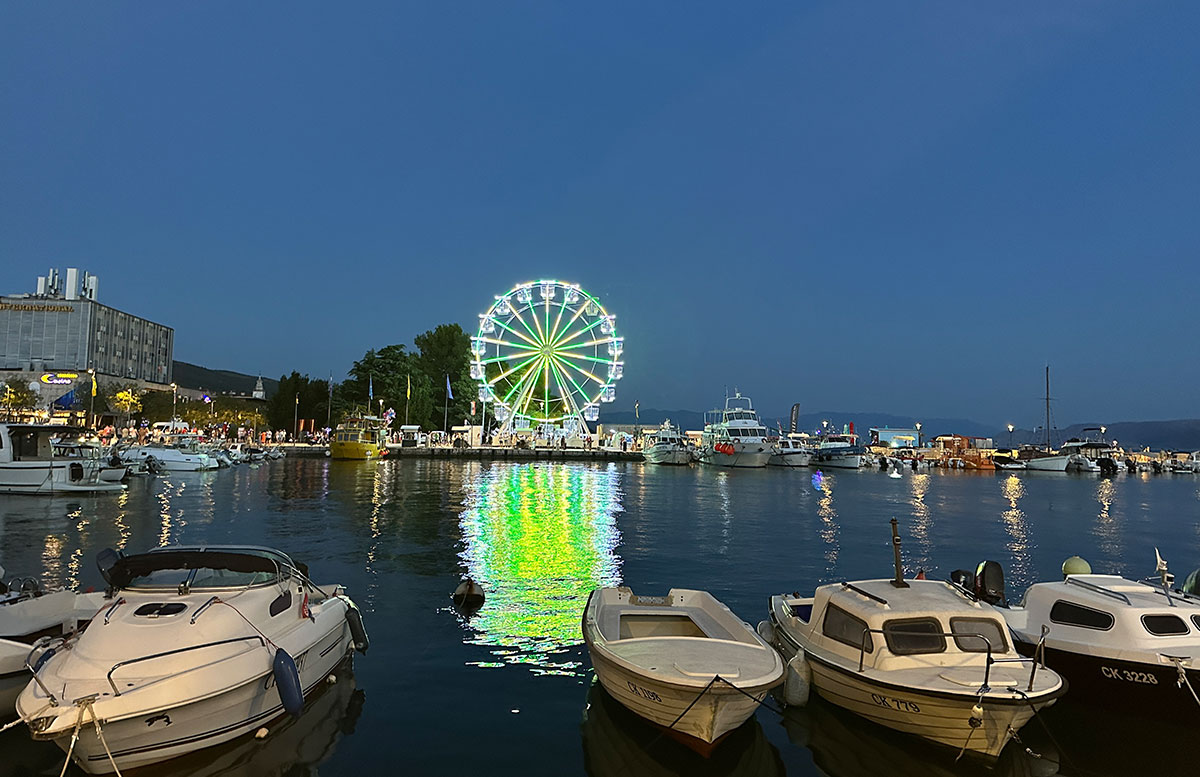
568	399
582	371
584	356
588	344
522	379
560	376
582	331
562	308
515	333
511	370
510	356
578	312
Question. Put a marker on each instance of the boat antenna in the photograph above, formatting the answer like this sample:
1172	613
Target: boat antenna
899	581
1164	576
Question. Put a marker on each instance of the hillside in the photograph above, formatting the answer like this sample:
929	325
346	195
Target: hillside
193	376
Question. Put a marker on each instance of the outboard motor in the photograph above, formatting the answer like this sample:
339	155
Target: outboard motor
963	578
105	560
989	583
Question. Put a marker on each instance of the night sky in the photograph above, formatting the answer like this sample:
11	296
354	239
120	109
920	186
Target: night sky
895	207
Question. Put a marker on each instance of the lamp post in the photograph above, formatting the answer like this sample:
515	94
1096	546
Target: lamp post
1103	429
1010	431
92	399
296	418
174	397
918	425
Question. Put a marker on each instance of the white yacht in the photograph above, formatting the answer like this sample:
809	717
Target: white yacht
666	445
923	657
45	459
795	450
734	437
840	451
196	646
176	453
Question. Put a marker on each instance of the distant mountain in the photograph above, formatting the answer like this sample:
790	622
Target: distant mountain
1181	435
192	376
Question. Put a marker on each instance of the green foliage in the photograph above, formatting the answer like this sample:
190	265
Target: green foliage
16	395
298	396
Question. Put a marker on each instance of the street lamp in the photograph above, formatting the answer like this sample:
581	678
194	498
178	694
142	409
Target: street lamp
174	397
1103	429
296	419
1010	431
918	425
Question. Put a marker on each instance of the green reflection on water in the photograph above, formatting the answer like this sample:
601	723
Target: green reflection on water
539	538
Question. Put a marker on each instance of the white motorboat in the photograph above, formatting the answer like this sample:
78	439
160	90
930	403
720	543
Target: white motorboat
45	459
734	437
1089	455
666	445
795	450
840	451
177	453
1125	643
683	660
27	614
195	648
920	656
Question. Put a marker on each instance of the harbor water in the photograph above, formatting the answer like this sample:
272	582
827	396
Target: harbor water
509	690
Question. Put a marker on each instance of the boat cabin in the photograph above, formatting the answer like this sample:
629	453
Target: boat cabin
876	625
1087	609
184	568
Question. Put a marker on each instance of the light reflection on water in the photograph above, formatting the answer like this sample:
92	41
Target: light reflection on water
539	538
1017	526
829	528
1108	529
922	522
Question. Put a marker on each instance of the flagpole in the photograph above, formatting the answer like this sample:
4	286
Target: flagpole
407	397
446	411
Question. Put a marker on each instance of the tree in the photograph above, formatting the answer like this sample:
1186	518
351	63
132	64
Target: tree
445	352
283	409
385	374
126	399
15	396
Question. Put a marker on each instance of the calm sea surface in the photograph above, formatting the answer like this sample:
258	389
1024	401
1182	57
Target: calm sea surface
509	691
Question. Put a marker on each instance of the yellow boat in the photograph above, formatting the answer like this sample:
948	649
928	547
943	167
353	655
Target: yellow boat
359	437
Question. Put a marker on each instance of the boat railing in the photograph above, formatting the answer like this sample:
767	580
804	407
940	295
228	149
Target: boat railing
116	692
1038	659
1099	589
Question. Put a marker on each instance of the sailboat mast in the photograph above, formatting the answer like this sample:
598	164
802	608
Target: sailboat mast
1047	408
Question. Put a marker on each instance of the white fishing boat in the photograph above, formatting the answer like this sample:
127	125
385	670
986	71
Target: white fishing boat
795	450
840	451
176	453
919	656
197	646
734	437
666	445
683	660
45	459
27	614
1123	643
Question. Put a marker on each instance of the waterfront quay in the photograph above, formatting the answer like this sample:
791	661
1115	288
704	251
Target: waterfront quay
502	453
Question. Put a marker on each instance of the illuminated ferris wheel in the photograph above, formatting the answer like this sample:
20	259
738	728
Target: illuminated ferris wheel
547	352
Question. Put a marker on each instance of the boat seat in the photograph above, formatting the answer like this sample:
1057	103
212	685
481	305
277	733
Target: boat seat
973	678
637	622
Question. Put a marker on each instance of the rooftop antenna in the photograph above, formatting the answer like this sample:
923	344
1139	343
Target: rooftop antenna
899	582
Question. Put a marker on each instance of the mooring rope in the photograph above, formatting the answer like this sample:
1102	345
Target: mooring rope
706	689
20	720
100	736
74	739
1183	678
1062	754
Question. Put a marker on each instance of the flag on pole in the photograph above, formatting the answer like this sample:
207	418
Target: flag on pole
449	393
370	387
93	385
636	404
408	391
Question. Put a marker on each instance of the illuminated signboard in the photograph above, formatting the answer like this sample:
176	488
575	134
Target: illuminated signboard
539	539
59	378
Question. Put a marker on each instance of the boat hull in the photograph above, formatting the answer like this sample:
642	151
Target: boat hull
45	477
1048	464
941	718
666	455
718	711
739	458
838	461
355	451
169	731
790	459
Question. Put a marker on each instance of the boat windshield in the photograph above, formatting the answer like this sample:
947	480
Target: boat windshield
198	569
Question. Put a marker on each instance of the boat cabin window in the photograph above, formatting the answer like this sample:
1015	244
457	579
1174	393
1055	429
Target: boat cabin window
845	628
1071	614
914	635
965	629
636	625
1196	621
1164	625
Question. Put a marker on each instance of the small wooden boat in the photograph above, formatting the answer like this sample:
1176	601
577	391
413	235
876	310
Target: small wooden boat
683	660
924	657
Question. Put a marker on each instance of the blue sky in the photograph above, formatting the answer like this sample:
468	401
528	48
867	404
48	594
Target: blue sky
896	207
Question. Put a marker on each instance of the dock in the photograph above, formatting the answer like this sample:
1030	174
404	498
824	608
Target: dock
486	453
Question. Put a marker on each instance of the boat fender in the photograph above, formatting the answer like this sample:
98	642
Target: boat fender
976	719
262	733
358	631
287	680
797	680
766	631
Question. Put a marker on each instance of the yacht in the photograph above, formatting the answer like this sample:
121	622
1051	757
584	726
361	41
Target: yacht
193	647
924	657
840	451
360	437
174	453
1089	455
794	450
46	459
683	660
734	437
666	445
